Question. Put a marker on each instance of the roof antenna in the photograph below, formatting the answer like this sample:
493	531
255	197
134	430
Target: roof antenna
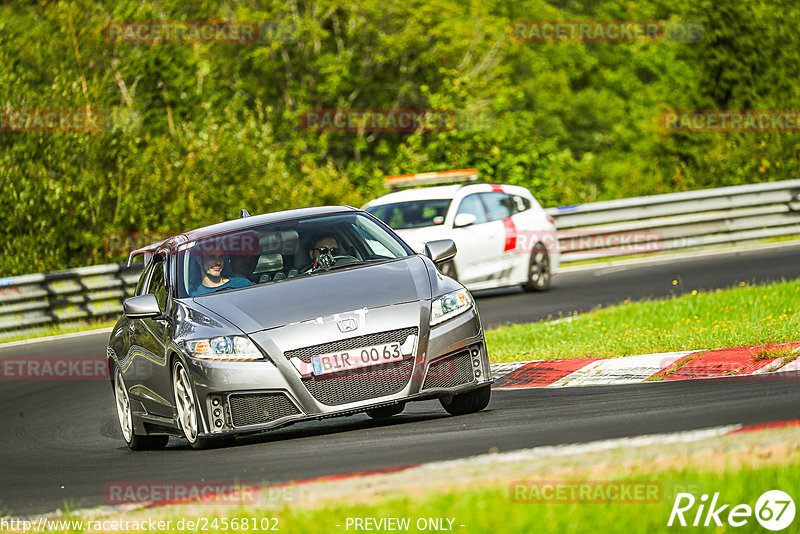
245	213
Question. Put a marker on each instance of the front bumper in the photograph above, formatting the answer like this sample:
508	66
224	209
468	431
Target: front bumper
238	397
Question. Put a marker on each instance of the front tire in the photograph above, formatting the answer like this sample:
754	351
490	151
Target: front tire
385	412
538	269
135	442
186	405
470	402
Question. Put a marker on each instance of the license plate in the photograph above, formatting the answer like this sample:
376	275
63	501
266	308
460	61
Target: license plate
347	360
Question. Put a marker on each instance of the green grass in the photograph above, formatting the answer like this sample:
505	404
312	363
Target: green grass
492	508
744	315
55	330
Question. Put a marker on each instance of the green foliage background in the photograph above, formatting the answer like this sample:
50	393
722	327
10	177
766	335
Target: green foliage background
218	125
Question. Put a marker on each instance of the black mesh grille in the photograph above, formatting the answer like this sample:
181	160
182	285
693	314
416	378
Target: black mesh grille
449	372
394	336
260	408
360	384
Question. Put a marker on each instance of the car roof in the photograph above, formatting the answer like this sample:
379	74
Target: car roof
442	192
236	224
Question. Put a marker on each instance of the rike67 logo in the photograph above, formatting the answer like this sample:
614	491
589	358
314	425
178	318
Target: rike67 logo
774	510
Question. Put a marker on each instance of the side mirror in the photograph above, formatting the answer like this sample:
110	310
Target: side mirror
440	250
464	219
141	307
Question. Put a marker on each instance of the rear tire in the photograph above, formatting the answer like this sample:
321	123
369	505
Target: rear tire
469	402
385	412
538	269
135	442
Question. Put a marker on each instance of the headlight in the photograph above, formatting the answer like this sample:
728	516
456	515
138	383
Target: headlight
450	305
224	348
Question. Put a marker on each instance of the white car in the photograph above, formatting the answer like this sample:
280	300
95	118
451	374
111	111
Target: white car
502	234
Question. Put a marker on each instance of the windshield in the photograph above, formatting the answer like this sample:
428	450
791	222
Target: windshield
412	214
279	251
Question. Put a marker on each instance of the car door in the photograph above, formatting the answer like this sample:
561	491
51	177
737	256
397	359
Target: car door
480	244
500	208
149	344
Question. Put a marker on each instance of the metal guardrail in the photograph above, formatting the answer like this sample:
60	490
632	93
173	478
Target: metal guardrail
35	300
588	231
673	221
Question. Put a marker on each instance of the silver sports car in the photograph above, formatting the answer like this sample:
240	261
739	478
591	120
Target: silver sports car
268	320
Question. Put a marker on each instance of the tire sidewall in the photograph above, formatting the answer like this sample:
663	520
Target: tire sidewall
198	415
538	286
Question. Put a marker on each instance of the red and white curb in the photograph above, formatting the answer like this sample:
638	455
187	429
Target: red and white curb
750	360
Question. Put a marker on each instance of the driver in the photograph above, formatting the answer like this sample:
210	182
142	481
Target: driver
211	265
322	253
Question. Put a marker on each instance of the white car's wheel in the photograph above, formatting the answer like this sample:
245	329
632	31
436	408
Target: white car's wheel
135	441
538	269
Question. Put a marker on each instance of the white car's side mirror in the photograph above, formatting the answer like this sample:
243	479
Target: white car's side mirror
464	219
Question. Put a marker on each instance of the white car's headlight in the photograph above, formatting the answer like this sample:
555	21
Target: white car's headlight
224	348
450	305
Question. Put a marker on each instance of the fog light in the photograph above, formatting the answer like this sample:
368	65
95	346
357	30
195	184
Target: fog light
477	372
218	423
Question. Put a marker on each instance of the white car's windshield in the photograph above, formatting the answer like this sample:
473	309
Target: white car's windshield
412	214
278	251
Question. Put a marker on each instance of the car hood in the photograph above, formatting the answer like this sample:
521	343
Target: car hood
290	301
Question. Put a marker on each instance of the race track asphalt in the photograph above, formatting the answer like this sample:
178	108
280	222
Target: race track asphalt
60	443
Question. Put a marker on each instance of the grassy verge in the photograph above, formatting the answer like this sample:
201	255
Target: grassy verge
518	506
55	330
494	510
745	315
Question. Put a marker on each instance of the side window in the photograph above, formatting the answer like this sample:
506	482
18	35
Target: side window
498	205
521	204
141	289
157	285
473	205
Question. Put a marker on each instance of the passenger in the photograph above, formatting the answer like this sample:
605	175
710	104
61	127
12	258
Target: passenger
211	269
243	266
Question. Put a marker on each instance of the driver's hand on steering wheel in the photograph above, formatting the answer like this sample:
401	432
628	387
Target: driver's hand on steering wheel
324	261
